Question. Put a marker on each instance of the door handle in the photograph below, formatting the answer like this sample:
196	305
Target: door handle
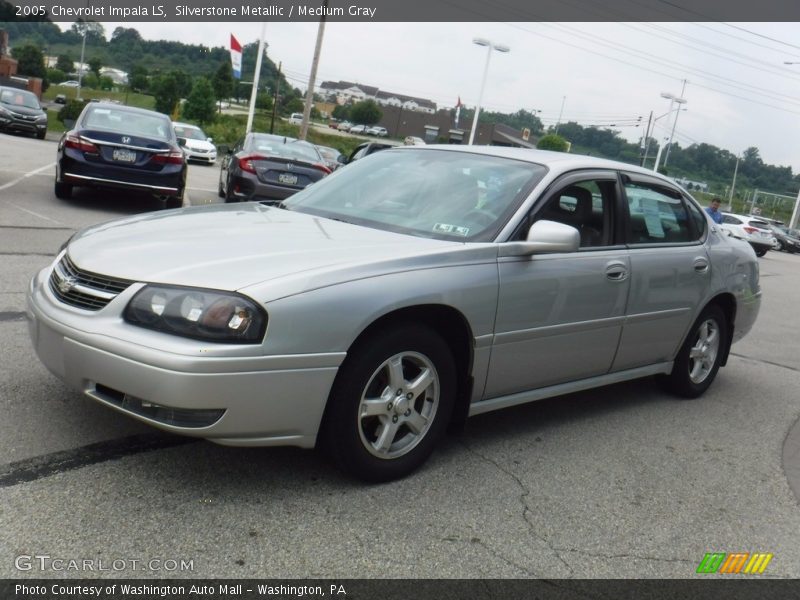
617	272
701	265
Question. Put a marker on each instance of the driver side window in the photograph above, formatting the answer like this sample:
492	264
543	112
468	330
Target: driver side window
586	206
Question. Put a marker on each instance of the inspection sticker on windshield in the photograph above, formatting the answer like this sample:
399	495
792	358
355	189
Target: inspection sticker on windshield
451	229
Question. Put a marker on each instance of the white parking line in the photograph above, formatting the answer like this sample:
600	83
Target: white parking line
28	174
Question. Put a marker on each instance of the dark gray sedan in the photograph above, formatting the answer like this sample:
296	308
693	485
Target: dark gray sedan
269	168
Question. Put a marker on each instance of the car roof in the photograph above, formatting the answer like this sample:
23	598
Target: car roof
189	125
128	109
559	161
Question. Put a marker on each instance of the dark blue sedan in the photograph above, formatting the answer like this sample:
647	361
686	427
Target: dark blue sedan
115	146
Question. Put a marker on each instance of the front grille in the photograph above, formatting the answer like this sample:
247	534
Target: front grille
84	289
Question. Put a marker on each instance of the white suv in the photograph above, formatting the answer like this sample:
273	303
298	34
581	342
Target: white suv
750	229
296	119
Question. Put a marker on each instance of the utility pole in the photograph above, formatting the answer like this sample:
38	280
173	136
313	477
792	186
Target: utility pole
275	100
313	76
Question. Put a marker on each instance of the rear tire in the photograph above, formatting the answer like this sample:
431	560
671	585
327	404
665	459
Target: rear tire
390	404
63	190
700	356
173	201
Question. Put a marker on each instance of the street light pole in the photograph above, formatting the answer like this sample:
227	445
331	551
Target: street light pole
560	114
733	184
489	47
672	100
80	67
675	123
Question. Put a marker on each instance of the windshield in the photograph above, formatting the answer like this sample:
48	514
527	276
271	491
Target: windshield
190	133
430	193
19	98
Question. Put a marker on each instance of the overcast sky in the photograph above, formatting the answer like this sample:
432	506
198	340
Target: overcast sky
739	92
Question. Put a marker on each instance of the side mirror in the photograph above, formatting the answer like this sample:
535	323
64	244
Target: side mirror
209	140
181	142
545	237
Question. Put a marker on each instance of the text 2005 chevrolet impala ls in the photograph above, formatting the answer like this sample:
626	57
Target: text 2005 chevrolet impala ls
400	294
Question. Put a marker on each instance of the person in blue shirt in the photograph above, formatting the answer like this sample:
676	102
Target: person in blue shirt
713	210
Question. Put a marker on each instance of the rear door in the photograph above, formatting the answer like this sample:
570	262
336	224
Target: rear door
670	270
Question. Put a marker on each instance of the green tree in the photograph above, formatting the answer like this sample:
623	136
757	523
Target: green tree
366	112
106	83
167	95
552	141
264	101
65	63
293	105
30	61
200	104
56	76
95	33
223	82
137	78
95	64
341	112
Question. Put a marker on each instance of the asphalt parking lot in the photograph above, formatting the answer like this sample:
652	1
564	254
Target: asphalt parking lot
620	482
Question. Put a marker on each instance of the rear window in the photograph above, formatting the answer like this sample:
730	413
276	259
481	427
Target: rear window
141	124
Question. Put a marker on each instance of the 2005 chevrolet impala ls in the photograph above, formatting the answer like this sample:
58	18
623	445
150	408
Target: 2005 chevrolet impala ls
397	296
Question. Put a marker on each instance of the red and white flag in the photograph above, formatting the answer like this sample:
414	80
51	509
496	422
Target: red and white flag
236	57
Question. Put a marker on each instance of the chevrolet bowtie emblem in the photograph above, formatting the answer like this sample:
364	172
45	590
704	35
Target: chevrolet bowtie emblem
65	285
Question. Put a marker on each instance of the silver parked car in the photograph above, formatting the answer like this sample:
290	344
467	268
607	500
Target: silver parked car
416	287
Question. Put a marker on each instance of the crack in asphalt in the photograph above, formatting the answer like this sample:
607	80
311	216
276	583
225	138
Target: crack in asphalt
526	510
31	469
12	316
766	362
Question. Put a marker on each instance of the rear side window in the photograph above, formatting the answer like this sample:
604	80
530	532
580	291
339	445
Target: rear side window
698	219
655	216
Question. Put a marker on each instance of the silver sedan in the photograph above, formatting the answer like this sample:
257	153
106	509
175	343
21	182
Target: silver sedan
395	298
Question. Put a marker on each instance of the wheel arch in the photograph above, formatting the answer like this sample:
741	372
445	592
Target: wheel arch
727	303
454	329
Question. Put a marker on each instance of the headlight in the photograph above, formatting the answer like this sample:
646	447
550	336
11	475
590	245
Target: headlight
41	119
200	314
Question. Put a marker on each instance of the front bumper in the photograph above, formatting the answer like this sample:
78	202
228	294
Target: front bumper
259	400
22	125
209	157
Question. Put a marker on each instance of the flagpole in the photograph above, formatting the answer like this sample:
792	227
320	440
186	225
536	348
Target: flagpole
254	91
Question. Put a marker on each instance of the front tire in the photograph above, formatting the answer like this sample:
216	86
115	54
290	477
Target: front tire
390	404
761	252
700	356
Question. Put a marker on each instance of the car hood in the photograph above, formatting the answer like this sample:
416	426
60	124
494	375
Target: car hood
23	110
235	246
